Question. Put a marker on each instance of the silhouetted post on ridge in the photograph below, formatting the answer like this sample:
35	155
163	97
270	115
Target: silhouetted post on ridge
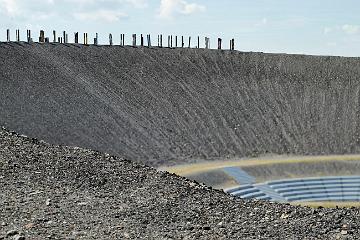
28	34
64	37
149	40
207	40
47	40
42	36
176	41
198	45
110	39
76	37
161	40
134	40
17	35
182	42
219	43
189	42
96	39
141	40
122	40
54	36
8	35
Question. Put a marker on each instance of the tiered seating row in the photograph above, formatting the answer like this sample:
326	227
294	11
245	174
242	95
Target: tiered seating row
309	189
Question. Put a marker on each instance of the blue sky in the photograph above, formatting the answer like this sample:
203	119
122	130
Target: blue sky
320	27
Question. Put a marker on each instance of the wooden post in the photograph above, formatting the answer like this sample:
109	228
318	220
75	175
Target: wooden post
182	41
28	36
161	40
219	43
149	40
8	35
110	39
198	45
189	42
54	36
176	41
42	36
96	39
47	40
141	40
171	41
17	35
134	40
64	37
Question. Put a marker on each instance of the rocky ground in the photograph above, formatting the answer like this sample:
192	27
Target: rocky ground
57	192
162	106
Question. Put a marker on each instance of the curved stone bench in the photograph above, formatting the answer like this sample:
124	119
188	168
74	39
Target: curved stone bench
317	187
343	188
322	191
325	197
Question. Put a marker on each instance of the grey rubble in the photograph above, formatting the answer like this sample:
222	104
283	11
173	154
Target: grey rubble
171	106
58	192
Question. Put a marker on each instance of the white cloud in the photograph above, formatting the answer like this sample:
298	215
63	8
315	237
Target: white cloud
168	8
350	29
327	30
100	15
114	3
138	3
331	44
10	7
264	21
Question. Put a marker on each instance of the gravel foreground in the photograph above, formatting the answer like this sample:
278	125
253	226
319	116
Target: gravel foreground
57	192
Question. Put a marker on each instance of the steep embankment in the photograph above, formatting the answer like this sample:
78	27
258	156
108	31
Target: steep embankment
165	106
52	192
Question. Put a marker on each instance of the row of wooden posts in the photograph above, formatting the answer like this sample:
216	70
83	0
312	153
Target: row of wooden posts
173	41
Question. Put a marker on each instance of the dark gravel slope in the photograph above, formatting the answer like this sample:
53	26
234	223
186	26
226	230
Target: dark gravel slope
165	106
54	192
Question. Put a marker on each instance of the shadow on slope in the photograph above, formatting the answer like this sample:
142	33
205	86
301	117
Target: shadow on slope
170	106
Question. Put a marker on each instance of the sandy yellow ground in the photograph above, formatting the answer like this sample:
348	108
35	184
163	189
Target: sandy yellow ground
191	169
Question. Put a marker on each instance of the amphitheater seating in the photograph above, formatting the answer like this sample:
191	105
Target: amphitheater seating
345	188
